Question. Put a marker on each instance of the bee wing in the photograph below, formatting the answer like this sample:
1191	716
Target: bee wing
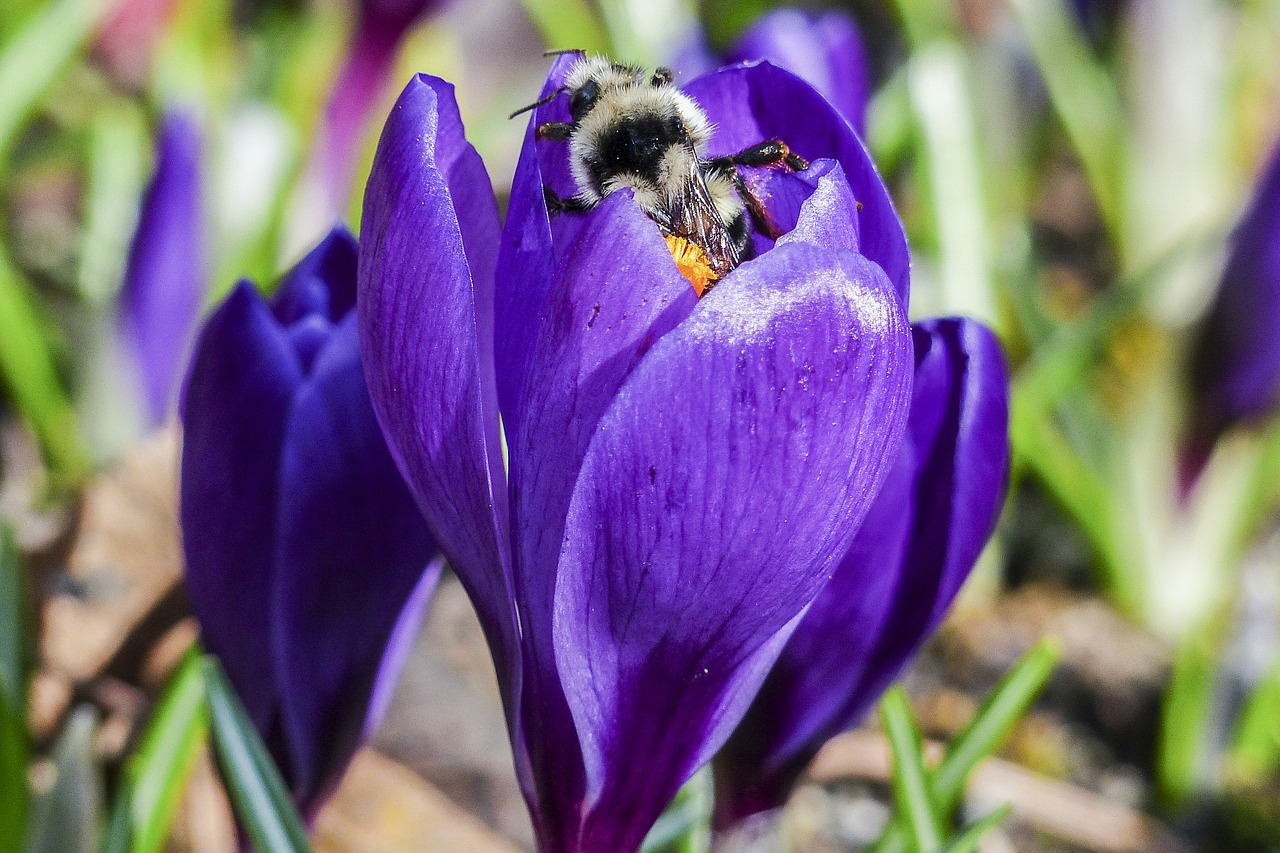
693	214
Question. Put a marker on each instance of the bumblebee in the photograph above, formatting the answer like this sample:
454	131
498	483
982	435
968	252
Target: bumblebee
633	129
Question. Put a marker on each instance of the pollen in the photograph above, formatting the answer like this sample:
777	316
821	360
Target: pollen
692	262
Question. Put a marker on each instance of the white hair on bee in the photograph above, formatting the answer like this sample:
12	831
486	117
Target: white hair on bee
630	129
626	93
605	72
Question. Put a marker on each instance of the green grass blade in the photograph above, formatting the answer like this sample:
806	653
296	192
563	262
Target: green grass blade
940	91
1255	748
1000	711
568	24
27	368
14	664
116	832
968	841
1084	97
258	793
65	818
33	58
1185	717
159	770
1040	446
685	827
911	794
117	173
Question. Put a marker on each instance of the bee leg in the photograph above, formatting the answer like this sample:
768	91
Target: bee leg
662	76
557	205
557	131
769	153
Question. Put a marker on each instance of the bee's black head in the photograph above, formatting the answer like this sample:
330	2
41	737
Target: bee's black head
638	143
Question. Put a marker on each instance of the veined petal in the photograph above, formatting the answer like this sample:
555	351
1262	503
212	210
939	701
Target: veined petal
719	492
243	377
828	213
323	282
166	277
752	103
616	292
425	301
923	536
351	549
526	259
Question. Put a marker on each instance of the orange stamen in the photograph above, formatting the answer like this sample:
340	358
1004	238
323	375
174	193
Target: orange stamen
692	262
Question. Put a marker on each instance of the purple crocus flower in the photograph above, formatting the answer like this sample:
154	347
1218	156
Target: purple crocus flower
1236	362
380	27
683	475
923	535
165	278
825	50
308	564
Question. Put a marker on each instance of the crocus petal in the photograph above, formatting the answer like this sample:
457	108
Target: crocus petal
828	213
825	51
323	282
752	103
1236	364
242	379
926	530
350	549
616	293
425	305
165	277
679	566
526	261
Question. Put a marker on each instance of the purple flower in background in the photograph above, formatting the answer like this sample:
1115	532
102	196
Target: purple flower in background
824	50
308	563
683	475
165	278
380	27
923	535
1236	362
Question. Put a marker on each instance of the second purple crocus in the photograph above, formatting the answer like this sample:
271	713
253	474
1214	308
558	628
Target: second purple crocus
825	50
922	537
682	475
166	276
308	564
1236	362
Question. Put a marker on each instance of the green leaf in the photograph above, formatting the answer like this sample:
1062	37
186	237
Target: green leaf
117	158
32	59
65	818
258	793
1040	446
14	663
116	832
926	21
1085	99
157	773
940	88
968	841
568	25
685	827
1186	716
1255	748
911	795
1000	712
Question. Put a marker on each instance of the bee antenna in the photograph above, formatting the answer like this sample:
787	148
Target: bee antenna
541	101
576	50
